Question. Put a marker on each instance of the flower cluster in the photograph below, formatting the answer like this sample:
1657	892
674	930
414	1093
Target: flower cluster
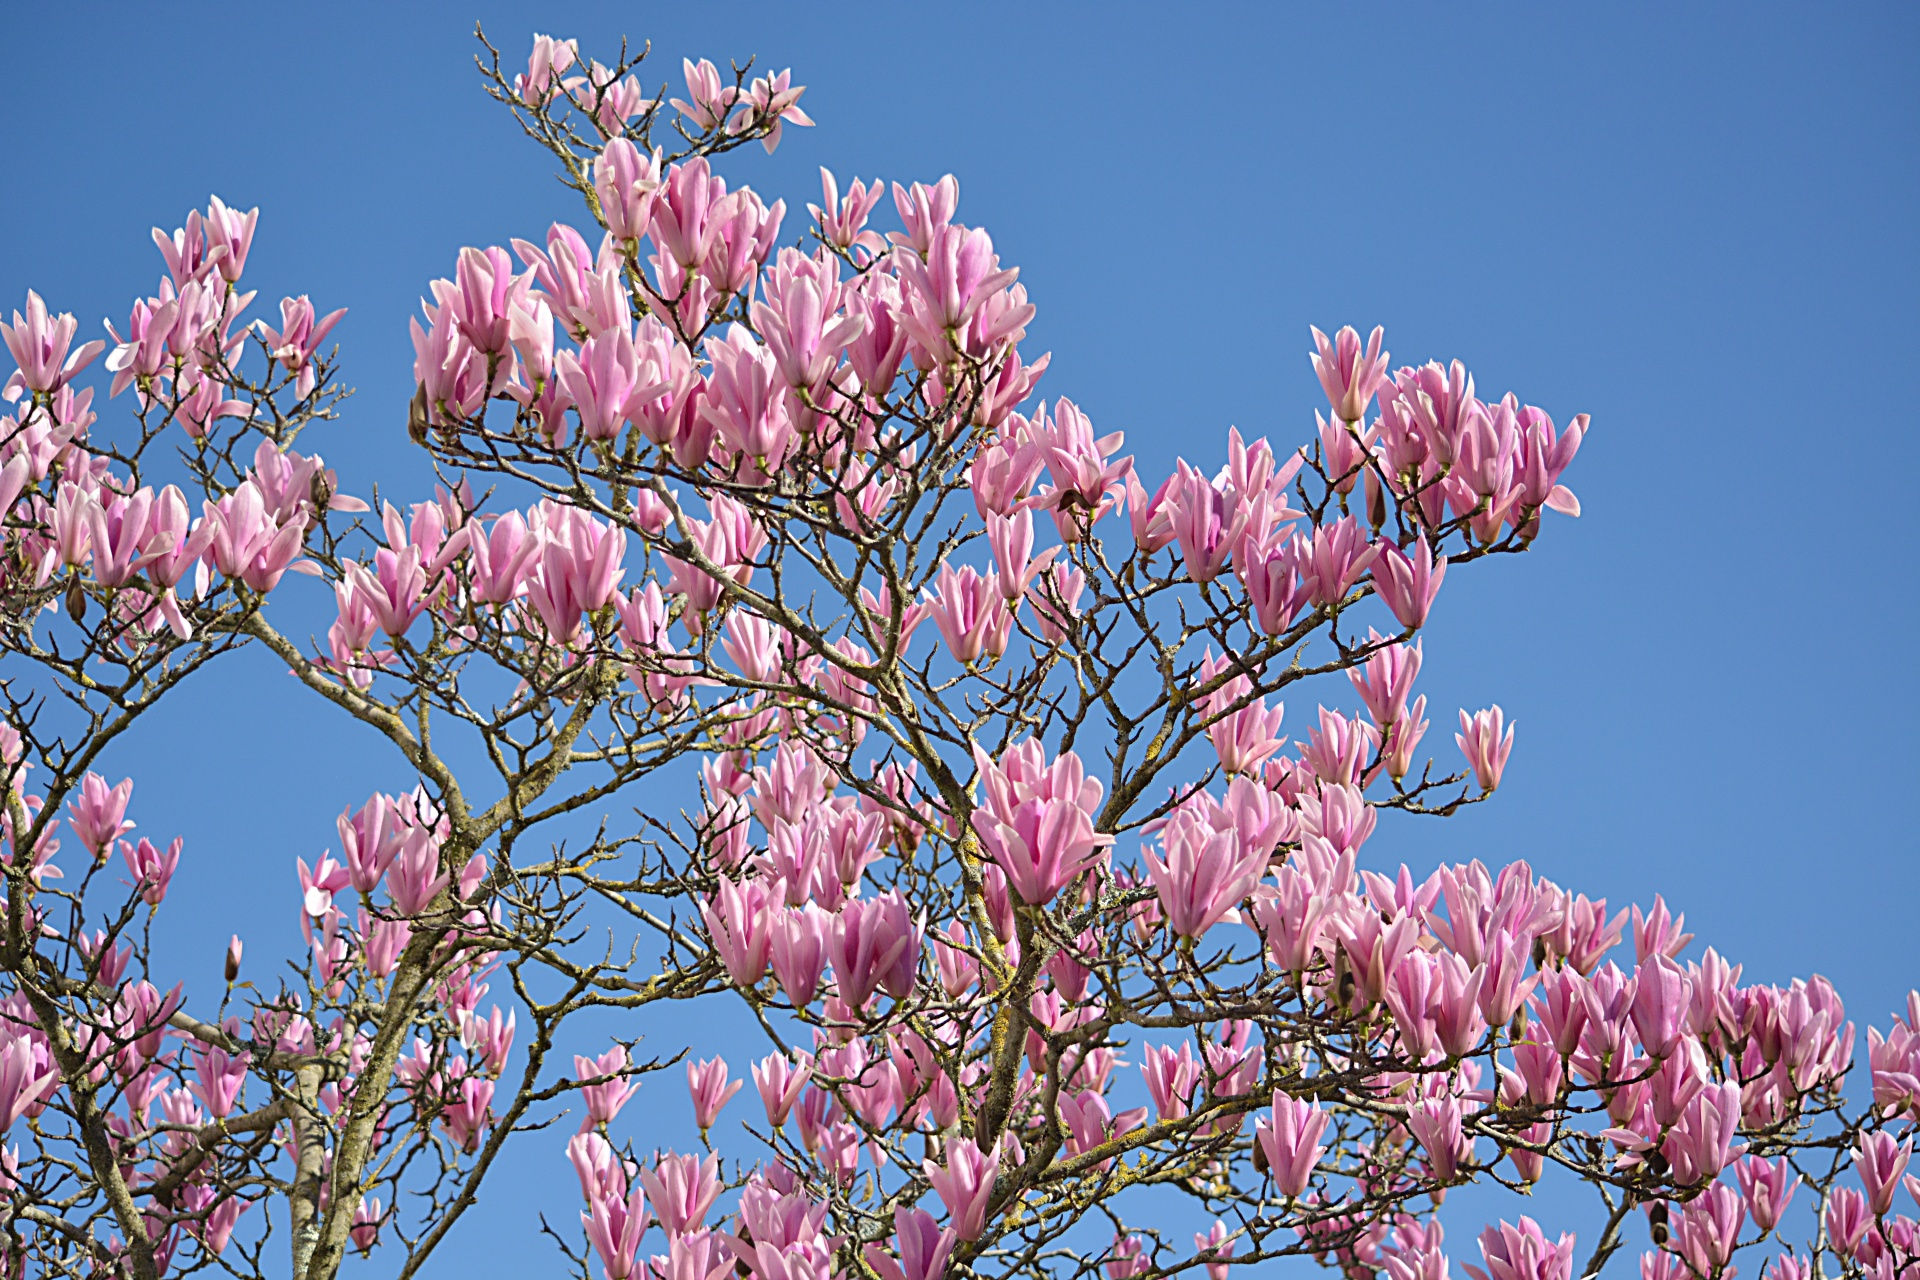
1054	932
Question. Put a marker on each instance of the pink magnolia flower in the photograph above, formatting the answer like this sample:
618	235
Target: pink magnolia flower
1709	1228
577	571
808	324
582	289
627	185
1338	748
1521	1252
550	59
1292	916
469	1114
1344	449
1207	521
1055	595
1894	1060
773	98
14	477
488	1039
39	344
729	541
1015	565
843	220
1481	741
611	1089
1435	1125
746	397
1037	820
743	235
779	1081
298	339
605	382
1788	1266
128	531
1410	994
1848	1221
1404	738
1217	1244
707	1082
1126	1258
1087	479
1544	456
215	1230
921	1247
1458	1024
251	544
1091	1125
369	839
1349	376
875	943
971	612
1702	1143
98	814
1171	1078
799	950
1203	873
1659	932
1768	1188
611	101
615	1221
24	1081
1150	516
710	98
924	210
392	592
740	921
218	1078
1661	993
965	1184
1275	588
1881	1160
686	219
1001	473
1505	985
1416	1252
1332	559
960	274
681	1190
415	878
1385	680
1243	736
1406	584
203	403
152	870
1289	1136
365	1231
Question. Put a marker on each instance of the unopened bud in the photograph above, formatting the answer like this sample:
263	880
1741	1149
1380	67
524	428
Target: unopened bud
233	959
76	599
418	416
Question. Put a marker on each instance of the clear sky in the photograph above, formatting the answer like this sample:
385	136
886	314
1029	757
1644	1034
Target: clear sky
1696	223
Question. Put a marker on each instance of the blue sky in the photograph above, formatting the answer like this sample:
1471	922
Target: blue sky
1696	224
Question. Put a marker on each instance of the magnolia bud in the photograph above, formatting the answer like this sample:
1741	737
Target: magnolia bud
418	415
233	959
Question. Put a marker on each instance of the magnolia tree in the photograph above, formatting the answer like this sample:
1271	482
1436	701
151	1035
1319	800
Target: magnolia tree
985	816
